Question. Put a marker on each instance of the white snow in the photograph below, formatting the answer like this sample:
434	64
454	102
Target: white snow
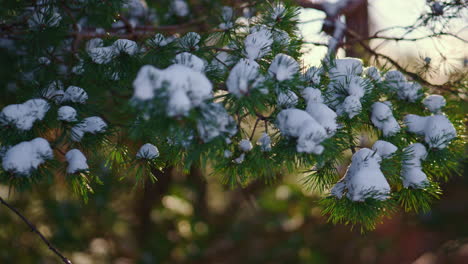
67	114
345	67
23	116
239	159
76	161
351	87
184	87
27	156
43	60
320	111
103	55
384	149
227	153
258	44
44	17
243	77
190	41
264	142
159	40
313	75
409	91
364	179
437	130
180	8
227	15
287	99
215	121
148	151
411	172
222	61
190	60
54	92
91	125
373	73
75	94
125	46
283	67
299	124
383	119
434	103
245	145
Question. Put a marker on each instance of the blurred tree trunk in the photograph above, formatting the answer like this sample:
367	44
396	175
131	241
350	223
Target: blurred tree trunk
357	21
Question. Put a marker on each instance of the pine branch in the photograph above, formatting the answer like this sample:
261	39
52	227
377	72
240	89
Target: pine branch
35	230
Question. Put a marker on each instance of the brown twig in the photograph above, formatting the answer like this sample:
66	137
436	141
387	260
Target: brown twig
34	229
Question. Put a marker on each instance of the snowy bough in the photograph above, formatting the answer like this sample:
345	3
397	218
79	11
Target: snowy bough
239	100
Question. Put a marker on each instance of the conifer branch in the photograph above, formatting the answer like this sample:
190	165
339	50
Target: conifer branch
35	230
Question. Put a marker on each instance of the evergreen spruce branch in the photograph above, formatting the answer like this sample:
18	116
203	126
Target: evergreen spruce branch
35	230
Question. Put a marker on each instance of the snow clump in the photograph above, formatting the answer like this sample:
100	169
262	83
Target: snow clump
26	156
91	125
258	44
411	172
434	103
67	114
316	107
23	116
364	179
103	55
283	67
243	77
383	119
299	124
148	151
184	87
215	121
437	130
245	145
76	161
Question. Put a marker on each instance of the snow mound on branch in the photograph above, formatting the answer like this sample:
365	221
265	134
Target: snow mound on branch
313	75
345	93
243	77
299	124
245	145
184	87
345	67
75	94
411	172
279	36
180	8
258	44
76	161
54	92
67	114
91	125
215	121
23	116
287	99
409	91
364	179
190	60
434	103
148	151
159	40
383	119
373	73
325	116
45	17
437	130
264	142
384	149
227	15
283	67
222	61
103	55
190	41
26	156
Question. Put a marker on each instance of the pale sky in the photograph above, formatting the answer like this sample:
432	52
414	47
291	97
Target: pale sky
389	13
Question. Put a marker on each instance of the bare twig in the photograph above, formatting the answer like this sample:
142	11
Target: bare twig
34	229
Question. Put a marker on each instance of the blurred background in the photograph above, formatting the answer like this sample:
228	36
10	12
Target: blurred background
193	218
